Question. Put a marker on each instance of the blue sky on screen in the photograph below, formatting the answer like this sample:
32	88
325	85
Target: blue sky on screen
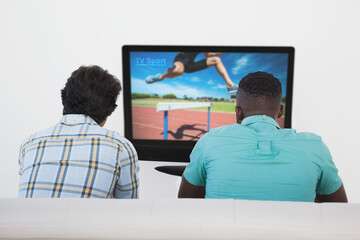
204	83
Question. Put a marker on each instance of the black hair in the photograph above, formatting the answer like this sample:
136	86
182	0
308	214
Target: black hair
91	91
261	86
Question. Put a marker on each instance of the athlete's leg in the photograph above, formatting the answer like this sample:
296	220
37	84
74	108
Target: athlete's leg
216	61
175	71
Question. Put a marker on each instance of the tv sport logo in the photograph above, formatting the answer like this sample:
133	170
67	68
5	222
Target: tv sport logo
150	61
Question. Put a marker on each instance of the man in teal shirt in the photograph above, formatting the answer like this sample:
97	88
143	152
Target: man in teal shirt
257	160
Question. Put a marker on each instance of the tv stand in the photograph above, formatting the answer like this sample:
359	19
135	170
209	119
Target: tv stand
172	170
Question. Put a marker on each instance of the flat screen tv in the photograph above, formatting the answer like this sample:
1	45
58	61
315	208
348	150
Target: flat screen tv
175	94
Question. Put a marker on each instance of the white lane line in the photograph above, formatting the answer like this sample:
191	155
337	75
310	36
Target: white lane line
147	125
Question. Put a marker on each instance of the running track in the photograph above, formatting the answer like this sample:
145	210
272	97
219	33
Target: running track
149	124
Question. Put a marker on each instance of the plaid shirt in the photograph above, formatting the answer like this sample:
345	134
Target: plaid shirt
78	158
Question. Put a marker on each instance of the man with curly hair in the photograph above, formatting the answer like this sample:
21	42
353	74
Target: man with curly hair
78	157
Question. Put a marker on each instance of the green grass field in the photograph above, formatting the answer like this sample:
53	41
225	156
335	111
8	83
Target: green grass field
216	107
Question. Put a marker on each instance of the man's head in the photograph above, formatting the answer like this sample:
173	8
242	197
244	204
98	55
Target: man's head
91	91
259	94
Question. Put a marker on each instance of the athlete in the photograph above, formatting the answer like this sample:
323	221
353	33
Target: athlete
185	62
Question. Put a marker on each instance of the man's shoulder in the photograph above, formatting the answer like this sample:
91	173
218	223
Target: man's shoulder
223	132
38	134
110	135
225	129
238	130
292	134
124	143
115	136
94	130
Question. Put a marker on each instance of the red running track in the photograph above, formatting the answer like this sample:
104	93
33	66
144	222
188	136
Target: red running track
182	124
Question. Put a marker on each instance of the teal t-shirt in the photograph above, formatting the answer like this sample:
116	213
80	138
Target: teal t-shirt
257	160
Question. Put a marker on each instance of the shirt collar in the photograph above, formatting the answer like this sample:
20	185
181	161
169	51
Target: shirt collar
260	119
77	119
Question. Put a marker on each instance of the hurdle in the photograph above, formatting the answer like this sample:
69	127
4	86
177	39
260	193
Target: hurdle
168	106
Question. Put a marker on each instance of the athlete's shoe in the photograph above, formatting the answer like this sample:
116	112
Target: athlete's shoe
233	89
154	78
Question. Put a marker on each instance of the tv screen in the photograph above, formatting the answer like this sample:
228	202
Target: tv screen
173	95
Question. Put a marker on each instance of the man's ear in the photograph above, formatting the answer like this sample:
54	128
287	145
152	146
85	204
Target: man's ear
239	114
281	111
102	123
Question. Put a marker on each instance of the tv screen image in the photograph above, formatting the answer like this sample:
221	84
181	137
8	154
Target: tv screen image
173	95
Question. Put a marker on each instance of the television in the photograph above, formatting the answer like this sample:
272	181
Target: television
173	95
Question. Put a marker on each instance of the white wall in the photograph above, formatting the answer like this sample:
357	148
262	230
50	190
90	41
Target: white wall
42	42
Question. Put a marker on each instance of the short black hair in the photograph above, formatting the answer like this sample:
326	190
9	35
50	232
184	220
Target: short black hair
261	86
91	91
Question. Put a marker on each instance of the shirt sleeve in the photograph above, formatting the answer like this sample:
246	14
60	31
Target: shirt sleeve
329	181
21	155
195	172
128	180
21	163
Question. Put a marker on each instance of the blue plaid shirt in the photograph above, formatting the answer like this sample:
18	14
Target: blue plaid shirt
78	158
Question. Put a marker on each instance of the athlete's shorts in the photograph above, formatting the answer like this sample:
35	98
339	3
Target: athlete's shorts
190	66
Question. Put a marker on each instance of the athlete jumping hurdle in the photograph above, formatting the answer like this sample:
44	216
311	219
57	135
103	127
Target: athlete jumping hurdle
185	62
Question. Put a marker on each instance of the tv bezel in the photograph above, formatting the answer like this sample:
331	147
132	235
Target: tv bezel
178	150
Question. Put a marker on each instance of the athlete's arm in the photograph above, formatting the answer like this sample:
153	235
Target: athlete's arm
187	190
338	196
212	54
